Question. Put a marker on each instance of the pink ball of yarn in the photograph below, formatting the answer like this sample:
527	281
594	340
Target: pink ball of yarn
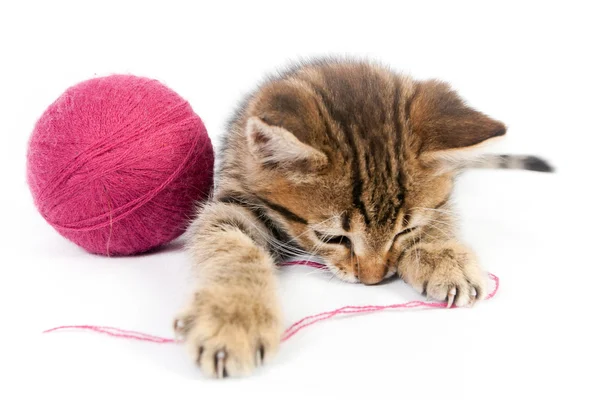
117	164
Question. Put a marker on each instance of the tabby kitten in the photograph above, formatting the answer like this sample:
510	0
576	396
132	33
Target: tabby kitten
345	160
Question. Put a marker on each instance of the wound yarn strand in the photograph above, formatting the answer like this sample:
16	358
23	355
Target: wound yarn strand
117	164
292	329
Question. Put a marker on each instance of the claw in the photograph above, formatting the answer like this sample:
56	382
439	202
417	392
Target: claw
478	292
178	327
451	295
473	296
220	364
199	358
260	355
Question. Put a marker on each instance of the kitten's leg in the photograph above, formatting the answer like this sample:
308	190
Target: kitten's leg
232	324
442	268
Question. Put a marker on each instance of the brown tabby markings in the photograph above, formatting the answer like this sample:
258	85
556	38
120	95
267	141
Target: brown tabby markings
344	160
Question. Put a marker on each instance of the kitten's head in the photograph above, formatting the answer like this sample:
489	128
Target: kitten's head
356	161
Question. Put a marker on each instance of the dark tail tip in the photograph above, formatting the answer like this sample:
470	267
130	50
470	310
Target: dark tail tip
533	163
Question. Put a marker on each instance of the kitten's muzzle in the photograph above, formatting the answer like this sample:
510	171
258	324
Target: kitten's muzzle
371	272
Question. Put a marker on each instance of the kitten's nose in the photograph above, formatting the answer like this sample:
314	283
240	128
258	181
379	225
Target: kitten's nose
372	272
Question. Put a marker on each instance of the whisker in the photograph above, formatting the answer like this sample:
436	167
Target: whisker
318	271
439	221
311	228
293	251
445	233
280	246
441	211
418	252
428	236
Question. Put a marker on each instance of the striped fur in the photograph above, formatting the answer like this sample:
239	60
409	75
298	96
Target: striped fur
344	160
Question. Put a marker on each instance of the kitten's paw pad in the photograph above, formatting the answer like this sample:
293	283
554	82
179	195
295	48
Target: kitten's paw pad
229	341
456	288
450	274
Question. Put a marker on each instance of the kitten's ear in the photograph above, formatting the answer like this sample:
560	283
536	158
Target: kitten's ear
447	128
275	146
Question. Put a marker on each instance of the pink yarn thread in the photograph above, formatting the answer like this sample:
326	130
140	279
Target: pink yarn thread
291	330
115	332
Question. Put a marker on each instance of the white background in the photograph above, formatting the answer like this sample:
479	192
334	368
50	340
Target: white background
531	65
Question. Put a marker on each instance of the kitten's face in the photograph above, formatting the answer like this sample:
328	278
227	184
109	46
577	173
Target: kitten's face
362	242
358	161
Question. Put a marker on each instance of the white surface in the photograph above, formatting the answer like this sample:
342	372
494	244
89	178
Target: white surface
533	66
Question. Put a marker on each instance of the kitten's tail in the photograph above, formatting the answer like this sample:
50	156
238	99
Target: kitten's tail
509	161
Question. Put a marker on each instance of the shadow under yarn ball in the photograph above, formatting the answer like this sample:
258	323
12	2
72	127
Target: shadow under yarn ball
118	164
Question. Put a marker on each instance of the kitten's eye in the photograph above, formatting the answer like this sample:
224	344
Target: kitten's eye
404	232
341	240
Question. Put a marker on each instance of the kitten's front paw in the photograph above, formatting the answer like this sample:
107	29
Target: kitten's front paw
450	273
230	334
